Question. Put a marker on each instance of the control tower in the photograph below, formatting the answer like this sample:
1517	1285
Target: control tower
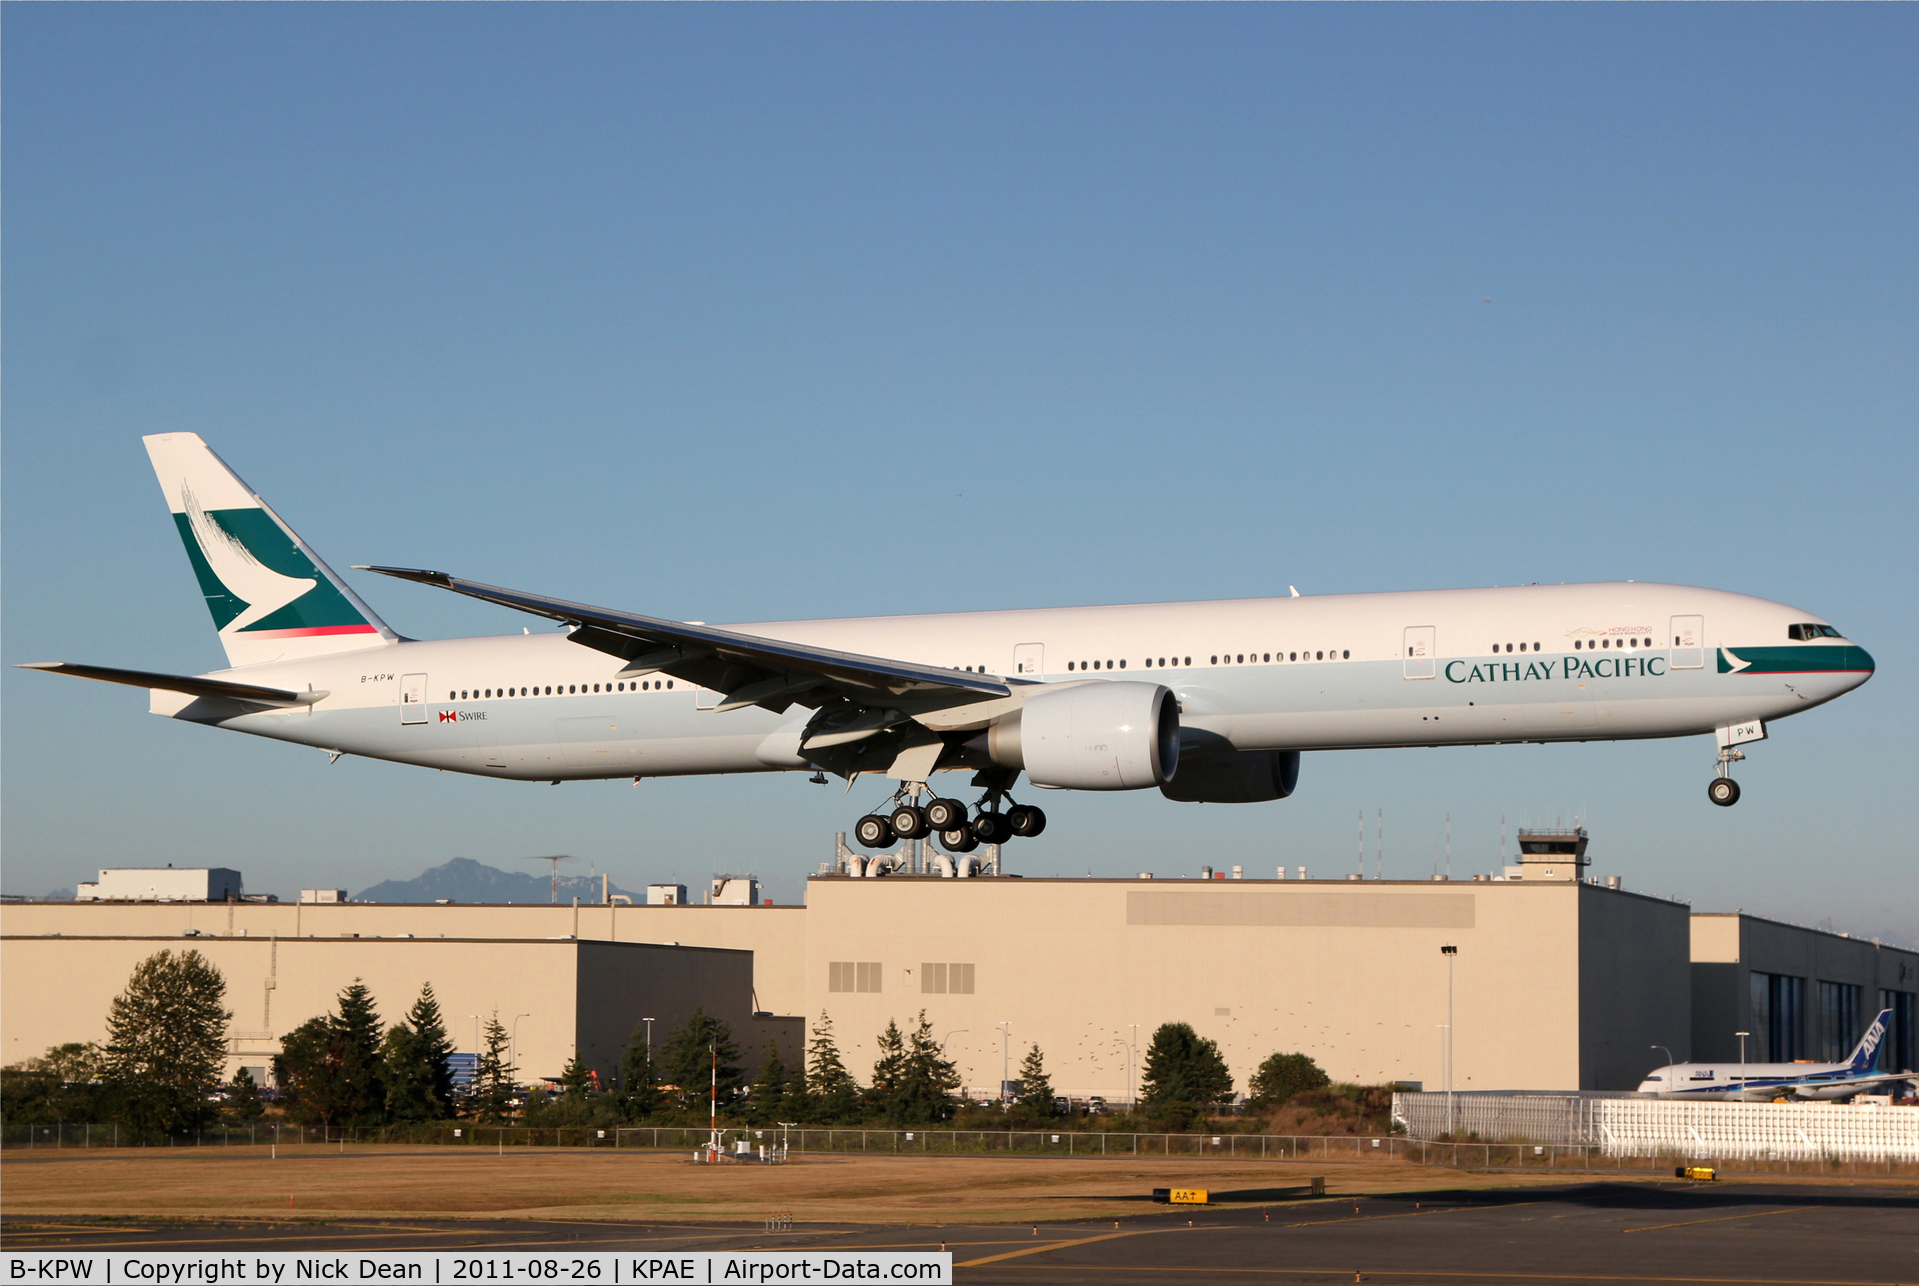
1556	854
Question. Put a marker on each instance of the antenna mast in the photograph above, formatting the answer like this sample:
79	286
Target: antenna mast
556	859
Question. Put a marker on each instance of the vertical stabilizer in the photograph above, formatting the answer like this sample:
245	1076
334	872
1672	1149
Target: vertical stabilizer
271	597
1866	1053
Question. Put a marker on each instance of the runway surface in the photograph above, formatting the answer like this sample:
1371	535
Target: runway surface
1613	1232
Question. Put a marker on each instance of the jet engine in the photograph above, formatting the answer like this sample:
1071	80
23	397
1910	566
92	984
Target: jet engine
1092	736
1249	777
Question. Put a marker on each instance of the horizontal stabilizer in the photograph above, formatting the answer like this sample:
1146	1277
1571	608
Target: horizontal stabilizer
249	692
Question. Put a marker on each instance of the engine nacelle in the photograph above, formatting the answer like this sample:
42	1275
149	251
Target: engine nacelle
1249	777
1092	736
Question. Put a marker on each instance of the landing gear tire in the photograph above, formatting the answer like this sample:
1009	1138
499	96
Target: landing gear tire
992	828
874	831
1025	820
1724	792
908	822
945	814
958	840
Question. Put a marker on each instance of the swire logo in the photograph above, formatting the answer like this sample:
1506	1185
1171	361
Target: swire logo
447	716
460	716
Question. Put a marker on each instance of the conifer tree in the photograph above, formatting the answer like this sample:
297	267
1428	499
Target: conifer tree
639	1090
832	1095
576	1079
166	1041
418	1065
1185	1074
767	1097
889	1070
928	1078
361	1069
245	1103
1035	1087
687	1060
493	1078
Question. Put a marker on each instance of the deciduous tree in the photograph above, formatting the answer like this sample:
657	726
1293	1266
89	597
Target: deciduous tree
1282	1076
166	1042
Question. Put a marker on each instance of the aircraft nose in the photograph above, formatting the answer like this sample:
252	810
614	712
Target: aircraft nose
1860	665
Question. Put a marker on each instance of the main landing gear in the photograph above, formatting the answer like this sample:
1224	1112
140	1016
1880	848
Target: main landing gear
1724	791
946	819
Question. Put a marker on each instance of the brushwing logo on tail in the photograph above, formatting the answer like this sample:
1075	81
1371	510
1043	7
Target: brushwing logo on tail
256	579
257	588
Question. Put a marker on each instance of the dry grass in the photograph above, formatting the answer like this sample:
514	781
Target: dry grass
603	1184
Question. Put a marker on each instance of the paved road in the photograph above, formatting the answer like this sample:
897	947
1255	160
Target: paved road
1597	1232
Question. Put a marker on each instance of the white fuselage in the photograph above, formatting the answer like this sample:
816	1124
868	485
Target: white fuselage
1431	668
1763	1081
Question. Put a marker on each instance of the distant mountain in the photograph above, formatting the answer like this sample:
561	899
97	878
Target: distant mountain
465	880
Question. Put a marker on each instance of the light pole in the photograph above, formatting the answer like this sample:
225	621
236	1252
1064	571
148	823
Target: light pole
1451	953
1742	1062
1668	1052
1005	1057
649	1044
1132	1070
516	1039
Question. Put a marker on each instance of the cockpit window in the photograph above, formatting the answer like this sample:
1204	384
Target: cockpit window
1808	630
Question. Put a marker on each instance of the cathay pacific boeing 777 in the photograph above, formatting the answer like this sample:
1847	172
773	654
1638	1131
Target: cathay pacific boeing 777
1209	702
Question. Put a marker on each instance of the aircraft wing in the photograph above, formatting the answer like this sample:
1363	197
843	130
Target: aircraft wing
250	692
746	668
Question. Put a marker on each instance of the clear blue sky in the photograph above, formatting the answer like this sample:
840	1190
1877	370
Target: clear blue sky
758	311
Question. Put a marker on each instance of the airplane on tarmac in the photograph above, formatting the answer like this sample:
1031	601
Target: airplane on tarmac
1209	702
1764	1082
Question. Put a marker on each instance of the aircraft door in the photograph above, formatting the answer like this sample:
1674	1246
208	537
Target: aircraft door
1688	642
1422	652
1029	660
413	698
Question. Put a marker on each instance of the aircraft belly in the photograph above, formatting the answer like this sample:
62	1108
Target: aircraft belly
534	741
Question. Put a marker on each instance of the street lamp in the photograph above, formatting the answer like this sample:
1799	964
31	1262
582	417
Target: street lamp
1742	1062
1005	1056
1668	1052
1451	953
516	1039
649	1043
1132	1070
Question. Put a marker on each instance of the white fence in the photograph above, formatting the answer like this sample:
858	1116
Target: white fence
1757	1131
1503	1118
1631	1126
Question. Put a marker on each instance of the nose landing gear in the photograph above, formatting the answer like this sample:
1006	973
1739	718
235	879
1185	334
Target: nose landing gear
1723	790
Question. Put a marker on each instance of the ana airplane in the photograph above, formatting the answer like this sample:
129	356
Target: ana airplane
1767	1081
1209	702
